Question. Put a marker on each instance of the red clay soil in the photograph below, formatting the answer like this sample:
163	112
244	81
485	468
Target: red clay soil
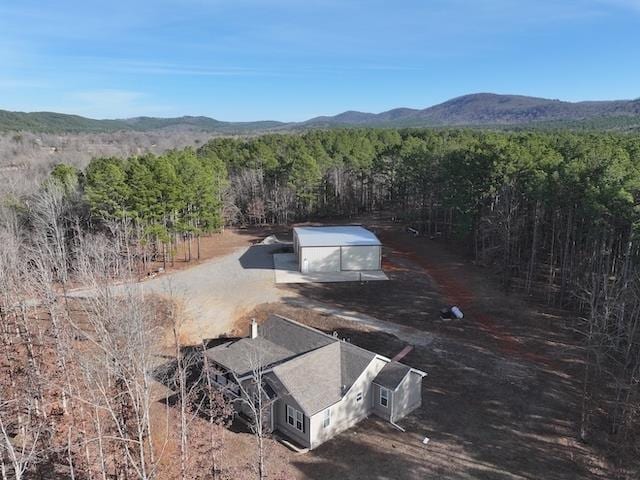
456	292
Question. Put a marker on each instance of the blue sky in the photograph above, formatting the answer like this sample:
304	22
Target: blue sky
295	59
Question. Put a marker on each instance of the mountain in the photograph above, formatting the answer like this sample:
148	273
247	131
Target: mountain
490	109
480	109
60	122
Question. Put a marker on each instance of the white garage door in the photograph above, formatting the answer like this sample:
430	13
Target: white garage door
320	259
361	258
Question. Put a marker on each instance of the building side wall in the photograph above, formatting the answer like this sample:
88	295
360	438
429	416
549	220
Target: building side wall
295	242
280	423
379	410
408	396
244	405
361	258
349	410
319	259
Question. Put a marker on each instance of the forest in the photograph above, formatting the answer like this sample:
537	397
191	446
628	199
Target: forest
553	215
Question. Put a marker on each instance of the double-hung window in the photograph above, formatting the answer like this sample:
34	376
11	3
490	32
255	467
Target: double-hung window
384	397
326	418
295	418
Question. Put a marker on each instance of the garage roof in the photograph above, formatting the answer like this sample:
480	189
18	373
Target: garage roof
334	236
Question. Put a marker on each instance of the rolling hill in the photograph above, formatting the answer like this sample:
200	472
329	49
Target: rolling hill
60	122
480	109
491	110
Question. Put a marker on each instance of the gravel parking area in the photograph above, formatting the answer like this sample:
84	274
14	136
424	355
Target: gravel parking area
216	293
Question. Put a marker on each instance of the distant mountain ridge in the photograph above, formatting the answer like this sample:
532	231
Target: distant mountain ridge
489	109
479	109
61	122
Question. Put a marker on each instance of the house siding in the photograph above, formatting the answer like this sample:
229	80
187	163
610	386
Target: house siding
280	424
408	396
241	405
379	410
349	411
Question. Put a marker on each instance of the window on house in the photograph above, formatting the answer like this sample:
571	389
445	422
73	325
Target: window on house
384	397
295	418
359	397
326	419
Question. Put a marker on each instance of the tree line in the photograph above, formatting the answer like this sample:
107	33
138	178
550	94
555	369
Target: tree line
163	200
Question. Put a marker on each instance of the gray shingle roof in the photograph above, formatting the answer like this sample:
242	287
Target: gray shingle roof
278	340
313	379
322	377
353	361
315	369
391	375
241	356
293	336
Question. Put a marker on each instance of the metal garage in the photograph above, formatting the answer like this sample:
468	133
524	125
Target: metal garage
336	249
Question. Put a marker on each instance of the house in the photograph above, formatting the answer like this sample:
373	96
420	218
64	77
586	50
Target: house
314	385
343	248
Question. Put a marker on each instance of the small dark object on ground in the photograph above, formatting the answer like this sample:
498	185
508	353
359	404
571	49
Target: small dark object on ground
451	313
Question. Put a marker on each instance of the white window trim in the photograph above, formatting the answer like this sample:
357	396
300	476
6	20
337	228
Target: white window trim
297	417
384	397
326	419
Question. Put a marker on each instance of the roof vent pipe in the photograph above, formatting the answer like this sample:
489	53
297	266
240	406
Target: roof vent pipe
254	328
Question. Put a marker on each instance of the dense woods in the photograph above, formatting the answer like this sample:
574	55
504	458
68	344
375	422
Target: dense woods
553	215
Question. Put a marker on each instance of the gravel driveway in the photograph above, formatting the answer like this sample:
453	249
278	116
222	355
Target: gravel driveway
216	293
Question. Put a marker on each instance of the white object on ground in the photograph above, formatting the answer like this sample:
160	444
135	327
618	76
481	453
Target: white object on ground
270	240
426	440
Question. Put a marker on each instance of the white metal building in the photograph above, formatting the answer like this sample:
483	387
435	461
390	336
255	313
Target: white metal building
336	249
